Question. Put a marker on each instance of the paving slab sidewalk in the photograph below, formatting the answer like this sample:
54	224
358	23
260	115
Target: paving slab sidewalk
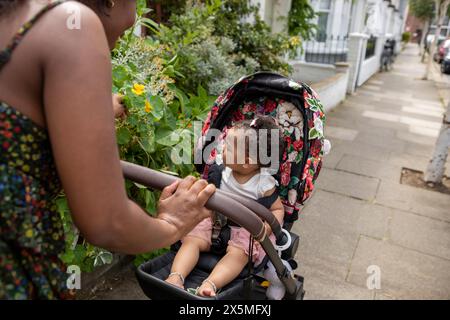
360	215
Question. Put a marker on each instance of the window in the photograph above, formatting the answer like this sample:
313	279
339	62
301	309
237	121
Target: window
323	8
370	49
324	4
322	23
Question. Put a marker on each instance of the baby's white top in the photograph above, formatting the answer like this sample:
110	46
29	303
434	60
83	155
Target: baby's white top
254	188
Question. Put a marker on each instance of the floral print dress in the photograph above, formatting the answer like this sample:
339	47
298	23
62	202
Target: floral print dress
31	231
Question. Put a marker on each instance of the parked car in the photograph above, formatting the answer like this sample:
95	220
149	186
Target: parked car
445	64
442	50
429	40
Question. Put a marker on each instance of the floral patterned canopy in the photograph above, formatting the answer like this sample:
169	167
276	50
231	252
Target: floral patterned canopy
297	110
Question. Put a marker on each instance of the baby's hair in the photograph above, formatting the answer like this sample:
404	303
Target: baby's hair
264	126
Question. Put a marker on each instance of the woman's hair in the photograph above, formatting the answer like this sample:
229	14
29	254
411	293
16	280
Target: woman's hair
264	127
7	6
99	5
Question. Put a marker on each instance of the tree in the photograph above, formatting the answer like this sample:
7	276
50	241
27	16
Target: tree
441	9
436	167
424	11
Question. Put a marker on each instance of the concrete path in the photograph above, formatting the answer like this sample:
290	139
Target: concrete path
360	216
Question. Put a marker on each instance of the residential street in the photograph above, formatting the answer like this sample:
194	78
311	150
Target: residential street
361	215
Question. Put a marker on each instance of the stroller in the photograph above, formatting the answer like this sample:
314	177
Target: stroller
299	113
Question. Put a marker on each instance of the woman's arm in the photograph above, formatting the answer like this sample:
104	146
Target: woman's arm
79	115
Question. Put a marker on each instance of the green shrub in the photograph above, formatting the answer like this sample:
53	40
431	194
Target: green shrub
78	251
406	36
160	116
203	58
240	21
217	42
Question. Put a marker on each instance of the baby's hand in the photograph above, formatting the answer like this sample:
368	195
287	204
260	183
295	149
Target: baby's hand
118	107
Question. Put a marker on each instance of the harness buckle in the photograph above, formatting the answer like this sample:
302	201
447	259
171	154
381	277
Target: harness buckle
219	221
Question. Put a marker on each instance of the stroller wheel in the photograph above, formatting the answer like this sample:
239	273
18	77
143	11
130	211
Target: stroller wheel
301	295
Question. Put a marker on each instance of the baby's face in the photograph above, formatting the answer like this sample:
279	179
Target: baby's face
234	153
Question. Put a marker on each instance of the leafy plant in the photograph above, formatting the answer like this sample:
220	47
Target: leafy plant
406	36
300	19
160	116
78	251
217	42
203	58
422	9
240	21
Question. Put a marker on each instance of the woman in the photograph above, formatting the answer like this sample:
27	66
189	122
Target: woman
57	131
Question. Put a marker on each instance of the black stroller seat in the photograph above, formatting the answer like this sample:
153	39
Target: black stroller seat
248	285
151	277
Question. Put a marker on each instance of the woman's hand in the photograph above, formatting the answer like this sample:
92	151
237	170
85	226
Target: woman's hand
182	204
119	108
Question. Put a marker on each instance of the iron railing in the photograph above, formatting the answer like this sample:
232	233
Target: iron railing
324	49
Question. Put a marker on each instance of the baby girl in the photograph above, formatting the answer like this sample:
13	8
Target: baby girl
247	177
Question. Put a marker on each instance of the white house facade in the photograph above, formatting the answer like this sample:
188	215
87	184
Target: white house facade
347	47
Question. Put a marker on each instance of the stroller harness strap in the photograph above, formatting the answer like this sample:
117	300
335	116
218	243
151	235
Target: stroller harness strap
220	221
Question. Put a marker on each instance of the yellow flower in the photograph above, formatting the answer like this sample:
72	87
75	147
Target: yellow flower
295	41
148	106
29	233
138	89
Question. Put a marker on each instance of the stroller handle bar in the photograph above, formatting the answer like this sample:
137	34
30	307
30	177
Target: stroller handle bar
262	212
236	208
217	202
